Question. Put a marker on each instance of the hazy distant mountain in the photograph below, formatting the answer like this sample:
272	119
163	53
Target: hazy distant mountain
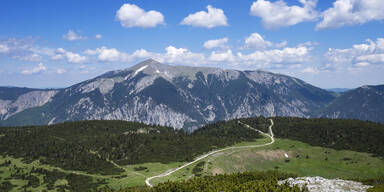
177	96
339	90
364	103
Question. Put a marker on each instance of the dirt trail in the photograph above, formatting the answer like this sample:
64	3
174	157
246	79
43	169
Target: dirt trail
169	172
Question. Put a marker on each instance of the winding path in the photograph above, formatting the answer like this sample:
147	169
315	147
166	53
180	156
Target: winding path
169	172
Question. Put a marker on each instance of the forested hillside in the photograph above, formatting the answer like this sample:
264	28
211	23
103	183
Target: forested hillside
91	145
347	134
101	151
364	103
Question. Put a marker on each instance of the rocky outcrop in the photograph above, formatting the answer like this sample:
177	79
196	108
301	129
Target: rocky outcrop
319	184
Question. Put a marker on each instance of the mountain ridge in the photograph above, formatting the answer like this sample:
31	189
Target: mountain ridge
177	96
364	103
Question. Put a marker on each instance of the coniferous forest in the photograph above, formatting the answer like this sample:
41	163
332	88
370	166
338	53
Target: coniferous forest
88	145
249	181
355	135
94	146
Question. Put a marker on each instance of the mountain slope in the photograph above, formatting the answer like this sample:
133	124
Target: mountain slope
178	96
364	103
14	99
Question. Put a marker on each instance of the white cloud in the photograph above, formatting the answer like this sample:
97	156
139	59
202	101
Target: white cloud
269	58
75	58
278	14
351	12
182	55
69	56
171	55
222	56
22	49
39	68
109	55
4	48
73	36
255	40
213	18
60	71
310	70
131	15
277	56
380	44
105	54
216	43
29	57
362	64
98	36
372	58
141	53
359	55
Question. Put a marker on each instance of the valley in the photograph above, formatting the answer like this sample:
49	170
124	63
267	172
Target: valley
249	151
192	96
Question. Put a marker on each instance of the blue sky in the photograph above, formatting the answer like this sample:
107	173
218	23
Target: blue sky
335	43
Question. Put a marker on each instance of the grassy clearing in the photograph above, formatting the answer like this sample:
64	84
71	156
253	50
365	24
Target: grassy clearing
304	160
127	179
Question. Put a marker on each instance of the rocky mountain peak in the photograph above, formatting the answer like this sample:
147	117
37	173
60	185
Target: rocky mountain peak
178	96
154	68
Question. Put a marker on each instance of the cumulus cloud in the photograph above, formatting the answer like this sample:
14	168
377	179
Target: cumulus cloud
4	48
60	71
222	56
255	40
141	53
105	54
109	55
172	55
182	55
371	58
268	58
359	55
310	70
131	15
351	12
73	36
98	36
213	18
39	68
278	14
216	43
70	57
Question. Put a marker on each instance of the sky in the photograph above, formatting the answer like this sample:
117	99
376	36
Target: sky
58	43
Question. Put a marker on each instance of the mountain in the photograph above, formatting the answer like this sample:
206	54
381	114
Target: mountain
176	96
338	90
364	103
14	99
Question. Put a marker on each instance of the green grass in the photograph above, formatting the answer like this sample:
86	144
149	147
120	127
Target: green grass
323	162
128	178
339	164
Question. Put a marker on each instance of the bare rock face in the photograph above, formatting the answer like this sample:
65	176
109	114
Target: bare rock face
25	101
319	184
176	96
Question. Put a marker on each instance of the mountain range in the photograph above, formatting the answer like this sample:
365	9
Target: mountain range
184	98
364	103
